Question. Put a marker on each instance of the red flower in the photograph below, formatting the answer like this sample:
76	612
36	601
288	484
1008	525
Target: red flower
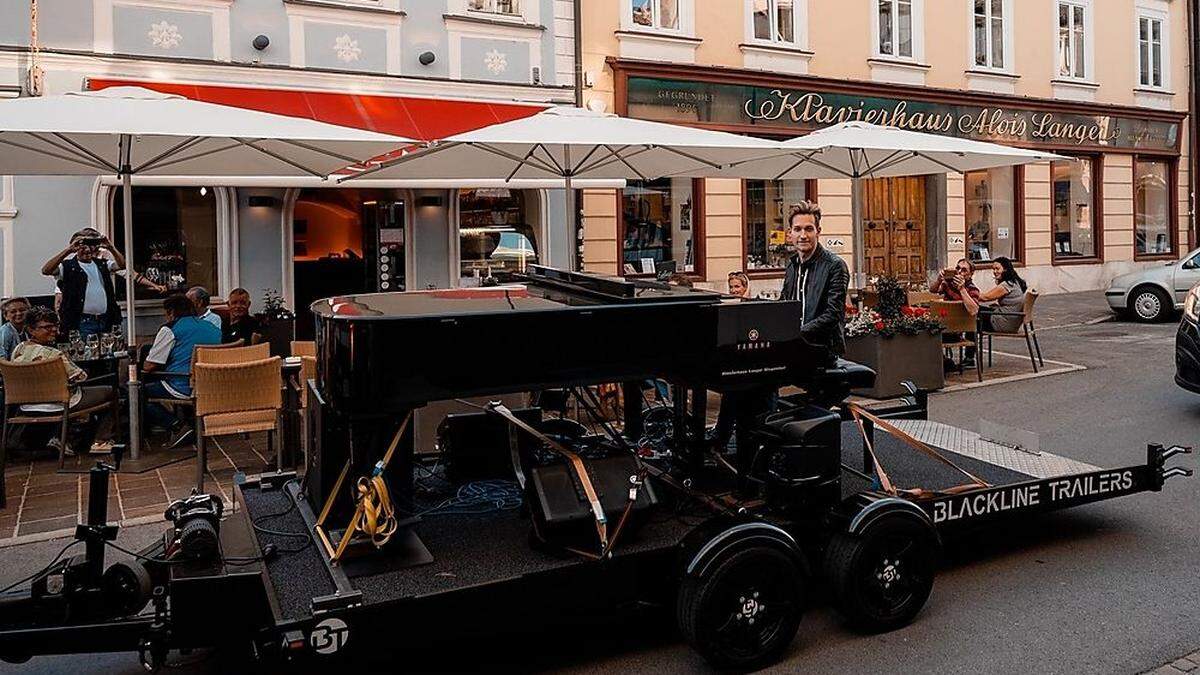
878	325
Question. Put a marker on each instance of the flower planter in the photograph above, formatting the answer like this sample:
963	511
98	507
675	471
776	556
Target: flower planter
898	358
279	333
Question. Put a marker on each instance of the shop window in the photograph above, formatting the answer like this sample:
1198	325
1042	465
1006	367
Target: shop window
1073	183
1072	40
1150	51
767	206
494	233
659	14
775	21
992	213
895	24
1153	224
660	226
504	7
989	33
174	237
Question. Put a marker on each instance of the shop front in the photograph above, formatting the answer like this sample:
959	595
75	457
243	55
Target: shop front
1119	199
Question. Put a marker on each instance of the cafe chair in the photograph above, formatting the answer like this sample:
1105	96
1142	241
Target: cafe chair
198	352
232	352
1027	331
236	398
45	383
957	321
304	348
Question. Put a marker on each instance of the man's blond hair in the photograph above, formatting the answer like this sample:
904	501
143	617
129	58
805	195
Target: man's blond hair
805	208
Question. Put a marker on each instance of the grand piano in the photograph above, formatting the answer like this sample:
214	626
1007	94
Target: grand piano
384	354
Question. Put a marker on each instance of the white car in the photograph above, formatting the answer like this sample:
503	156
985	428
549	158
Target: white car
1152	294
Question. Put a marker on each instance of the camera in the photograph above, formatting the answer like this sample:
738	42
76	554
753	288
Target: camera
90	241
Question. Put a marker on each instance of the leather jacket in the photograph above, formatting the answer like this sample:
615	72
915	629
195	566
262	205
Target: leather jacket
824	278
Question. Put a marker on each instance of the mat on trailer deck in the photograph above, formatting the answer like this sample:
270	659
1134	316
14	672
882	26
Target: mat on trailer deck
297	573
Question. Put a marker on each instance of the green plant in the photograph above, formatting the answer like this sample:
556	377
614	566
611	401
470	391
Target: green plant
273	307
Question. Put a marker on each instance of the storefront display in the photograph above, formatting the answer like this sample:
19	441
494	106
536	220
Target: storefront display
767	204
495	233
1152	212
175	238
657	218
1073	191
990	207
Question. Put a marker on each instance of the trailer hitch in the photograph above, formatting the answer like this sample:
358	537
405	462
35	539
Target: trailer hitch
1158	456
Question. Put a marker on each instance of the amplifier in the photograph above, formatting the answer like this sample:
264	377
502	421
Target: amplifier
560	507
476	445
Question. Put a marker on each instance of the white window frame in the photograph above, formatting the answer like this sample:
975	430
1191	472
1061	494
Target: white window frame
1161	15
1089	41
1009	46
799	26
687	19
530	12
918	31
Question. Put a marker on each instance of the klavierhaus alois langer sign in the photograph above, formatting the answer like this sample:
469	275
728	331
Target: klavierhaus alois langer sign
774	109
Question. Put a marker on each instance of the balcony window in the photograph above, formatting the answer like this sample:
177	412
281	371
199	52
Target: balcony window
656	14
774	21
989	33
895	22
503	7
1150	51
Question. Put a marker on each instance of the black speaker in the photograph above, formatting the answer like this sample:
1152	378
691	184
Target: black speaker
560	508
476	445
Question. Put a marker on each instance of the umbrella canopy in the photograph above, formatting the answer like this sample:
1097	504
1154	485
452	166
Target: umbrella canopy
861	150
81	133
577	143
131	130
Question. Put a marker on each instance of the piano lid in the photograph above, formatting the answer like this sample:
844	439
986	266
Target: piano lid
537	293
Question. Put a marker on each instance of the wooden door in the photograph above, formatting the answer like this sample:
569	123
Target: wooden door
893	215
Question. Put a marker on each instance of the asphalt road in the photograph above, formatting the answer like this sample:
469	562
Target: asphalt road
1106	588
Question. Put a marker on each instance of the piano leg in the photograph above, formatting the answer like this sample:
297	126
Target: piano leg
631	393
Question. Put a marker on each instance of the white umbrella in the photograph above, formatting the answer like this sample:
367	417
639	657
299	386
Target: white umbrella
131	130
571	143
861	150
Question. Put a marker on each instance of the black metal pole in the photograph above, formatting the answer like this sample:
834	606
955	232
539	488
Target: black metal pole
97	518
631	392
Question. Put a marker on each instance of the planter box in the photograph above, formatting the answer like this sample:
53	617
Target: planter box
898	358
280	333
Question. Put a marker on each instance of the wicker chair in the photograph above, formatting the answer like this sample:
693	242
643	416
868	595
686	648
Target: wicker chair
198	352
1026	331
304	348
958	322
236	398
45	382
232	352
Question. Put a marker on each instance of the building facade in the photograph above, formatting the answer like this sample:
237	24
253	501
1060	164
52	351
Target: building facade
418	68
1108	89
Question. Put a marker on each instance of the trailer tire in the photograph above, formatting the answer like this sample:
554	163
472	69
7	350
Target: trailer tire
127	587
744	611
881	578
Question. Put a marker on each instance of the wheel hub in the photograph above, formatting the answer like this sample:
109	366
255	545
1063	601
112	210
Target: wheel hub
1147	304
889	573
749	607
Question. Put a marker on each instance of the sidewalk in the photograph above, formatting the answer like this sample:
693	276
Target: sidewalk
44	504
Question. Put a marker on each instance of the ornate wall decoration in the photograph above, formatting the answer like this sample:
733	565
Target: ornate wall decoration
347	49
165	35
496	62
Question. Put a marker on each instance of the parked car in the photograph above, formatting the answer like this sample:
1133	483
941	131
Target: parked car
1151	294
1187	343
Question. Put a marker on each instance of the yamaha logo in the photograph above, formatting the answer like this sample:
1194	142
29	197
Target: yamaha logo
753	335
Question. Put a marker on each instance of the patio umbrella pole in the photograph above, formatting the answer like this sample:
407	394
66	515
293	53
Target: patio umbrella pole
135	386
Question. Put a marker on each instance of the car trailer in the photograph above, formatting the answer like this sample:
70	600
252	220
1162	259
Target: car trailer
735	571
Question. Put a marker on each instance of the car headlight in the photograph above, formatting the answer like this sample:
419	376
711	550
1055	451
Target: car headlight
1191	305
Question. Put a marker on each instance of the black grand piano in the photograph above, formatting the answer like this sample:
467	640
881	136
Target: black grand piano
383	354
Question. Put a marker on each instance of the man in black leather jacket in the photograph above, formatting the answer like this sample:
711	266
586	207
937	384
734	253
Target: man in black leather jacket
817	278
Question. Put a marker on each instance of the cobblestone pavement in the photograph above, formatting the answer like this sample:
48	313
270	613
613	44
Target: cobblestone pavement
1185	664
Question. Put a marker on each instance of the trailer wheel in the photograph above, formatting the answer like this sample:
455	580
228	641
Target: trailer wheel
127	587
744	611
881	578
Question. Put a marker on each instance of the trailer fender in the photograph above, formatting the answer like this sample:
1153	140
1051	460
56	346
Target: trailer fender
892	507
717	537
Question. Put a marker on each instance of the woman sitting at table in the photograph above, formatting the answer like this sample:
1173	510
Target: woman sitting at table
12	333
42	323
1007	298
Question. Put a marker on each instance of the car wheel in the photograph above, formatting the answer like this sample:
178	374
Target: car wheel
1149	305
881	578
744	612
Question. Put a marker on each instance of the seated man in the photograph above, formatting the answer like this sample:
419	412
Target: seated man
172	353
201	298
242	325
13	332
42	324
